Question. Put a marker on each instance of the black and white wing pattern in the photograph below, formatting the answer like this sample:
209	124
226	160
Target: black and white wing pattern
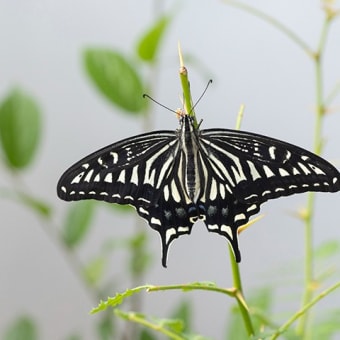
126	172
246	169
142	171
174	178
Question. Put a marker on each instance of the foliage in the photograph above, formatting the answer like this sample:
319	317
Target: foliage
20	128
20	132
22	328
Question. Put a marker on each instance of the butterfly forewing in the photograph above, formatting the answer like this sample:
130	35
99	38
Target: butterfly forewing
258	168
124	172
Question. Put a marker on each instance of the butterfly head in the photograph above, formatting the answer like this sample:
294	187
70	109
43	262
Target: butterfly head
184	117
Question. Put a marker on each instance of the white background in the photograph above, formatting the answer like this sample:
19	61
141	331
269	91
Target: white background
251	63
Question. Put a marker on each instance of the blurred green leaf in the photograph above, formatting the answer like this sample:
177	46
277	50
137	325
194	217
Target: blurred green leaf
183	312
105	327
77	222
173	329
235	329
148	45
146	335
119	208
327	327
21	329
175	325
20	128
74	337
35	204
259	303
116	78
117	299
140	258
327	249
94	270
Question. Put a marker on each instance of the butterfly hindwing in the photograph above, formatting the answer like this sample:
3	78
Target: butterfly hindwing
172	214
223	212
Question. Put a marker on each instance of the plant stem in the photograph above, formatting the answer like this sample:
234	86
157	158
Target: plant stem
138	319
320	111
303	311
193	286
319	114
244	310
275	23
235	267
183	75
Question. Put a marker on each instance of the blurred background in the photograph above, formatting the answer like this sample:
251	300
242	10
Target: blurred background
43	43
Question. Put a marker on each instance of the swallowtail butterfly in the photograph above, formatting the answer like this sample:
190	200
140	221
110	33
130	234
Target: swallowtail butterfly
175	178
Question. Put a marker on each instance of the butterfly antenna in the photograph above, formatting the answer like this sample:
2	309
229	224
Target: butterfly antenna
203	93
158	103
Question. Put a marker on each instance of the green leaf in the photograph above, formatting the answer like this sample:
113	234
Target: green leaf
173	329
327	327
162	325
22	329
35	204
236	329
175	325
148	45
74	337
183	312
105	328
119	208
20	128
117	299
94	270
116	78
140	258
327	249
31	202
146	335
77	222
259	303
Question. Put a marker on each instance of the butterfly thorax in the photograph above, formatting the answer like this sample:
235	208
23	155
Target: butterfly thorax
190	157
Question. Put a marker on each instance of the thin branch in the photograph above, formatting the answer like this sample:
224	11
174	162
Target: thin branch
275	23
303	310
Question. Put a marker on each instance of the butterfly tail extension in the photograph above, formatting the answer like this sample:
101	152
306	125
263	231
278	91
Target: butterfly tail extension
171	221
225	219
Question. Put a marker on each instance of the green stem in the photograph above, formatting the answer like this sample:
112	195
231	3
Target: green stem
194	286
275	23
240	298
303	311
136	318
235	268
183	75
320	111
233	292
237	281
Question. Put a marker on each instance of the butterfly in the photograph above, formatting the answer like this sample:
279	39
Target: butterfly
175	178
